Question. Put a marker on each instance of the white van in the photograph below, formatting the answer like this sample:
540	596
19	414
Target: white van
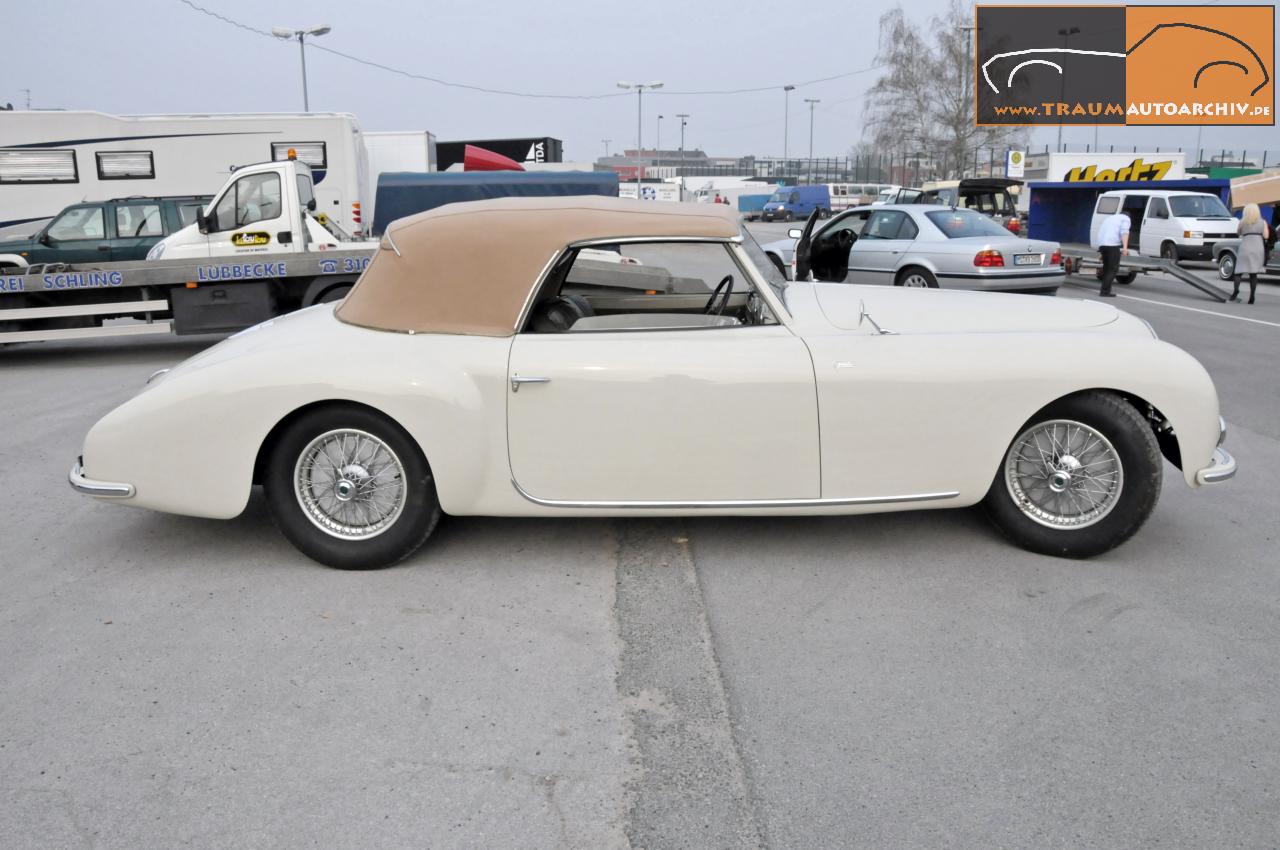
1170	224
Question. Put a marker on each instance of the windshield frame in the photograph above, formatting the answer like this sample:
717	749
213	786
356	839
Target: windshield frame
1175	200
768	272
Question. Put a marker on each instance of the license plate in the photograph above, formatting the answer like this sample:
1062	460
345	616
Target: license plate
1028	259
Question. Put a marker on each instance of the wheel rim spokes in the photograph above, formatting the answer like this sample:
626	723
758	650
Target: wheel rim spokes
350	484
1064	474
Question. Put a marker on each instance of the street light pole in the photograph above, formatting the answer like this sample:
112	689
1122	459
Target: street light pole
657	147
683	116
812	101
639	87
1062	87
786	117
606	147
300	35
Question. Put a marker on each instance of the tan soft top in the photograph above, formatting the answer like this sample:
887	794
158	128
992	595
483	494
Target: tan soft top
468	268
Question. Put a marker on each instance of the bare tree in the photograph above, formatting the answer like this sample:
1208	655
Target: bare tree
922	104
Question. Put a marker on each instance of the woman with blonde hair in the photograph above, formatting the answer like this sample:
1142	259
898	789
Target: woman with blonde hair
1251	255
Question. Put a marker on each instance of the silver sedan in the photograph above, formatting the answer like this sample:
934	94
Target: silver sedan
920	245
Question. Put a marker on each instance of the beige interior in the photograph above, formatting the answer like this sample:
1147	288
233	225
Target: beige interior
468	268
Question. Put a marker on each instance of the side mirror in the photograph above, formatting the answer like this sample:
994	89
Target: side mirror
795	233
202	221
311	205
43	238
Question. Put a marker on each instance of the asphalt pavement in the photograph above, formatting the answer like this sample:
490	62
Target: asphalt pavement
896	680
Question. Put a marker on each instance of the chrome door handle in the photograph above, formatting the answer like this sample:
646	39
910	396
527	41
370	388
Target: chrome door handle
517	380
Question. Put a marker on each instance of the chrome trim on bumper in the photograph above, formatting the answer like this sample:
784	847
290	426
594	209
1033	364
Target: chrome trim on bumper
733	504
1222	468
102	489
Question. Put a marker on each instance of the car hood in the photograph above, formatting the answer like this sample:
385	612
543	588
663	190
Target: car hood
16	246
940	311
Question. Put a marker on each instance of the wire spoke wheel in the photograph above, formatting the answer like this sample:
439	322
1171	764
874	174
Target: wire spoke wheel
1064	474
350	484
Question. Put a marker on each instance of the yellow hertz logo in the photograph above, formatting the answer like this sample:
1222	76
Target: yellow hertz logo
246	240
1136	170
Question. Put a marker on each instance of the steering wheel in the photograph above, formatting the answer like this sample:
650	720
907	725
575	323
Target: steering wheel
726	283
844	240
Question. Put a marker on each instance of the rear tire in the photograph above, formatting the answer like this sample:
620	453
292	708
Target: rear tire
351	489
1079	479
915	277
1126	278
335	294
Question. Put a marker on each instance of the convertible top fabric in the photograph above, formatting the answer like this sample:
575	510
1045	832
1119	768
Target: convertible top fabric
469	268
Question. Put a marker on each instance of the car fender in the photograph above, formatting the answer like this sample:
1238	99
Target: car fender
189	442
14	261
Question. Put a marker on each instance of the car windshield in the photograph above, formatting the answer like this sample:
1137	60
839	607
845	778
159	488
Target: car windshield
1198	206
771	273
779	197
958	224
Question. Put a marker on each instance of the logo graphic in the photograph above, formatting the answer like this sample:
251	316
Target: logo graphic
250	238
1153	65
1015	163
1135	170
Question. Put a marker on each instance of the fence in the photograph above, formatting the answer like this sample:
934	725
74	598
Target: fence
913	167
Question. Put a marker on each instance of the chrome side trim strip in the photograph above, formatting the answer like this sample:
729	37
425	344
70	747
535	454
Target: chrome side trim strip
734	503
103	489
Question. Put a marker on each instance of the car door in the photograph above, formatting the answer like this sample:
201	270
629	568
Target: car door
880	248
1157	227
77	235
249	216
655	416
832	247
138	226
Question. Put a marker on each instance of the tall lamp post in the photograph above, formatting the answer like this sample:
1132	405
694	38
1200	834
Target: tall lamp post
657	146
684	119
812	101
606	147
639	88
786	117
301	35
1062	88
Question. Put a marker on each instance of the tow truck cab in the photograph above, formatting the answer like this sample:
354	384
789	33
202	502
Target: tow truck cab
264	208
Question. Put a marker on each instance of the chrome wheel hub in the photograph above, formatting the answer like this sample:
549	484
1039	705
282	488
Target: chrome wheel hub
1063	474
350	484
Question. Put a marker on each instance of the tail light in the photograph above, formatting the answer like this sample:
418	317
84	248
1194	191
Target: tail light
1056	259
355	212
989	260
1014	225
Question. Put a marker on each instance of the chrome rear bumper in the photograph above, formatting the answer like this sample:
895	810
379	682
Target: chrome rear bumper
1222	468
102	489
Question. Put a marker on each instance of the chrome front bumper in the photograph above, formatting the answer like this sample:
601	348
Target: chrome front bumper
102	489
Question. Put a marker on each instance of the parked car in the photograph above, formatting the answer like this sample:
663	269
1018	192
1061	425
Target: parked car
1224	252
104	231
919	245
1175	225
990	196
897	195
453	379
789	203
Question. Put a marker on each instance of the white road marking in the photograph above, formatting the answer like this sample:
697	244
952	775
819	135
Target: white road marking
1200	310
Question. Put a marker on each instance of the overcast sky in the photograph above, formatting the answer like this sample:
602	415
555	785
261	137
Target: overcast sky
148	56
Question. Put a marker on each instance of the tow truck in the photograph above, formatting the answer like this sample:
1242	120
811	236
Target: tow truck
255	252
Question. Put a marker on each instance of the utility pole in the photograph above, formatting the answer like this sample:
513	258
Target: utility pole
606	147
812	101
786	116
639	87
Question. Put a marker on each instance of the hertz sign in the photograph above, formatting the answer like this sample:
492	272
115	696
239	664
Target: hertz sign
1138	169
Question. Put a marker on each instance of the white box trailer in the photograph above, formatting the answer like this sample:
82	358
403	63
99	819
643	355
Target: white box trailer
52	159
395	150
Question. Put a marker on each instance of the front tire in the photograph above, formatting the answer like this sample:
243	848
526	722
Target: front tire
351	489
1079	479
1227	265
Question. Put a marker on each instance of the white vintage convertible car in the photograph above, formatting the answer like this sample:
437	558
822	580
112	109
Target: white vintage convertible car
490	361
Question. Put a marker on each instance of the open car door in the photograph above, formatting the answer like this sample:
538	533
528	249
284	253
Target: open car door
803	263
